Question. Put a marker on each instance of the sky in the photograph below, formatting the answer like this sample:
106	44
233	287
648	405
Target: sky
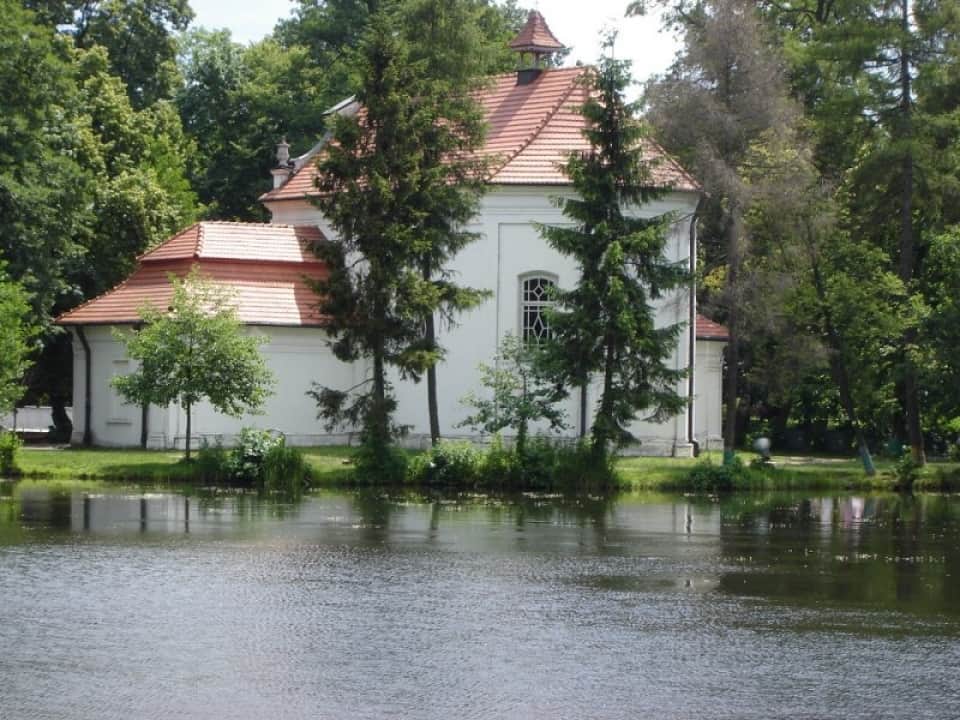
576	24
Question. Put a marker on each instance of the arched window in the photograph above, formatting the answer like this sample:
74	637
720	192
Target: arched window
536	295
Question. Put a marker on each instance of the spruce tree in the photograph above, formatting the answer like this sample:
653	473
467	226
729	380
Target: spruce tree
606	325
397	185
447	41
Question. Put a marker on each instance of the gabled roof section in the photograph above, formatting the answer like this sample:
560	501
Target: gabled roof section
707	329
265	267
536	36
530	130
239	241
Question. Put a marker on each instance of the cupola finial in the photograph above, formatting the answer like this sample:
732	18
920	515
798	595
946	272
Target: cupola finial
537	39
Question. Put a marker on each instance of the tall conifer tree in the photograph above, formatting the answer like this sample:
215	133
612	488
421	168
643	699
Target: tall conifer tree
606	325
397	185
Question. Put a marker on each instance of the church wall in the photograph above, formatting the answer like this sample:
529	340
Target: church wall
509	248
296	356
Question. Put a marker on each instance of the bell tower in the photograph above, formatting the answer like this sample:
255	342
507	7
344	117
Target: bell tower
533	43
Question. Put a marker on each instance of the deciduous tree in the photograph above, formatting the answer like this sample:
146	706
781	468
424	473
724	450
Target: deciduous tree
725	93
16	336
195	350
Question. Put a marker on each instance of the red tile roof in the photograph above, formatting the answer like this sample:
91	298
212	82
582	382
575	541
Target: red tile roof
530	130
536	36
707	329
265	271
239	241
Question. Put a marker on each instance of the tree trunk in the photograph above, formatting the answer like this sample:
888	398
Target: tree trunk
379	426
431	337
733	344
189	409
603	422
907	269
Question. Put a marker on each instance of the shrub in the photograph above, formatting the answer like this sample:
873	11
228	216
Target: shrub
708	477
953	451
213	462
383	465
261	459
246	457
449	463
9	444
284	468
906	472
499	464
575	466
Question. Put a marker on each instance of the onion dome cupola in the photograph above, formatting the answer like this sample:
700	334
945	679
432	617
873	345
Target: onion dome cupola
536	39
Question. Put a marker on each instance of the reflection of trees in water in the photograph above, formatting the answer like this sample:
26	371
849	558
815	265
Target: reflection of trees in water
375	508
51	507
887	551
245	504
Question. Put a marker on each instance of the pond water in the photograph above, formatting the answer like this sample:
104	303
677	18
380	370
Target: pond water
367	605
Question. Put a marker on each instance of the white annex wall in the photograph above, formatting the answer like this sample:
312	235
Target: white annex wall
508	248
296	356
708	417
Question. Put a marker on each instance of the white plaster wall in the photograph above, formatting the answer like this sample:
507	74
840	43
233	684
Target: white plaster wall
296	356
708	416
509	247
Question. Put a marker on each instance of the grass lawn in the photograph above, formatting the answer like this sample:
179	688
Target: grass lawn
157	466
636	473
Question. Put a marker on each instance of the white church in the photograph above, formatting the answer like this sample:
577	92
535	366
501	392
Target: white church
532	124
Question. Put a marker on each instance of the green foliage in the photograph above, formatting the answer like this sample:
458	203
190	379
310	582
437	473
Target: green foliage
499	462
10	443
398	201
260	459
520	394
449	464
213	462
236	102
708	477
606	324
87	180
138	35
195	350
906	472
378	464
16	336
541	465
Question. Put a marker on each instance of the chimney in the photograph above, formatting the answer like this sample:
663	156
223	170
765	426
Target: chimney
536	39
284	169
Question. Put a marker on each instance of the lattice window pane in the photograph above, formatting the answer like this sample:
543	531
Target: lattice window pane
536	294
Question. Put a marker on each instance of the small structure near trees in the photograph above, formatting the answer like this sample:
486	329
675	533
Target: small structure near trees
195	350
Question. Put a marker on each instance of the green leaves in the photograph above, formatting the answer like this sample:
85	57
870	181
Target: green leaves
194	350
17	334
519	394
398	187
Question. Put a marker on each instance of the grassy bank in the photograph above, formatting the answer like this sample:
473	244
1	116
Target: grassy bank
155	466
329	468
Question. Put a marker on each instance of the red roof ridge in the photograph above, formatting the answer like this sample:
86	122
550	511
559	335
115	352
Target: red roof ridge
539	128
169	240
64	316
198	250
